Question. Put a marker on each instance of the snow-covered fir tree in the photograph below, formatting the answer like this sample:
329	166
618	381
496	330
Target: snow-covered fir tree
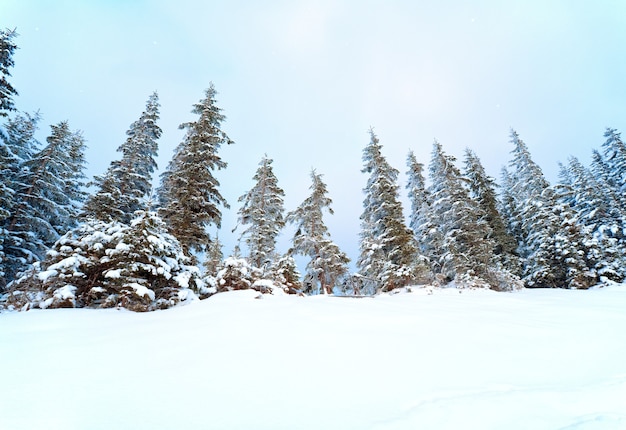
7	92
599	216
17	145
47	193
483	190
614	152
189	195
139	266
388	256
553	248
261	214
284	272
127	183
327	263
419	221
213	257
462	233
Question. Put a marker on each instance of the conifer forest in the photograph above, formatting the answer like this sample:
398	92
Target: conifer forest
131	239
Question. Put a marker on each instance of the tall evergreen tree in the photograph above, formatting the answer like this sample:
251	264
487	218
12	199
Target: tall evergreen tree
47	194
7	92
483	190
615	158
128	181
419	198
327	263
17	146
599	217
388	253
552	244
463	235
262	212
189	193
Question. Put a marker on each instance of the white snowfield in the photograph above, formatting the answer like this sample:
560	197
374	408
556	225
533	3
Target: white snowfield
454	359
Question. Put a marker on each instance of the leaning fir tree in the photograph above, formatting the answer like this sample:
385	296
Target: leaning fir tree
388	253
327	263
189	195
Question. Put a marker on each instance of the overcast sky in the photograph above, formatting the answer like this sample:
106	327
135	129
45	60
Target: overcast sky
304	80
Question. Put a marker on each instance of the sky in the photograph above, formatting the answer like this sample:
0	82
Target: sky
303	81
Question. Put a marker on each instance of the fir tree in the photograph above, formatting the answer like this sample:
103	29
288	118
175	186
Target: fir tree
483	190
189	194
420	201
262	212
17	146
139	266
7	92
462	232
327	263
128	181
598	215
615	158
388	252
213	257
552	244
47	192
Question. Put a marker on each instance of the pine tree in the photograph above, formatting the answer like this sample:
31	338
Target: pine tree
262	211
327	263
47	192
464	235
483	190
189	196
7	92
128	181
388	252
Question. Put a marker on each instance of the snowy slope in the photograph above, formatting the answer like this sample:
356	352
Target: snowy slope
535	359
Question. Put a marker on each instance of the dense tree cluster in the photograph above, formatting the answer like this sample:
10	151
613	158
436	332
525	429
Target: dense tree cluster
120	246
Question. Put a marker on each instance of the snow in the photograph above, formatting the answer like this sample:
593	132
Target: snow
432	359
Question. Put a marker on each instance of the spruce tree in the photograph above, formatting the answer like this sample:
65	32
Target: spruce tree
189	194
262	212
122	190
388	253
7	92
327	264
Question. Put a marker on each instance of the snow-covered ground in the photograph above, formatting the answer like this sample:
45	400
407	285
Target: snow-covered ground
456	359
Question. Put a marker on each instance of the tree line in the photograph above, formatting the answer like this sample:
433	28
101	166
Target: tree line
123	245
